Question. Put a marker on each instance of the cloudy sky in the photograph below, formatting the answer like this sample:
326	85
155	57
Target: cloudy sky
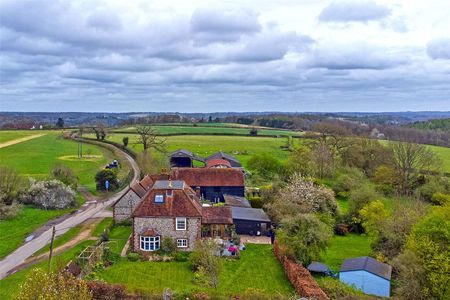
205	56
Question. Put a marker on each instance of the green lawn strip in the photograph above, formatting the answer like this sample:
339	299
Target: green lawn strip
119	236
343	247
342	204
10	286
14	231
62	239
257	269
101	227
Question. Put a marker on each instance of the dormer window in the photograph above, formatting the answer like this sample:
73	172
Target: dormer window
159	198
169	193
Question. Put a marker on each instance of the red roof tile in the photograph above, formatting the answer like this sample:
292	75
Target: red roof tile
138	189
216	215
214	163
183	203
149	232
209	176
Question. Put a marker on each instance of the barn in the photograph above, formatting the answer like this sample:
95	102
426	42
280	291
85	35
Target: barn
367	274
182	158
250	221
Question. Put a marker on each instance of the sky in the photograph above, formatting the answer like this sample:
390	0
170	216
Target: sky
211	56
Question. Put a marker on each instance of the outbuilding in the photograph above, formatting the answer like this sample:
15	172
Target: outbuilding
251	221
367	274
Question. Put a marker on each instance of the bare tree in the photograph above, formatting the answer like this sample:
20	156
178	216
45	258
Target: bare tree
148	138
100	130
409	159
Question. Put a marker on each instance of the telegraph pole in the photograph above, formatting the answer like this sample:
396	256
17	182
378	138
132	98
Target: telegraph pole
51	249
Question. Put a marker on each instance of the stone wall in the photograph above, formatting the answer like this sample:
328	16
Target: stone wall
123	209
304	284
166	228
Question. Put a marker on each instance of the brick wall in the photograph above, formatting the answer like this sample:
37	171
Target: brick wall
304	284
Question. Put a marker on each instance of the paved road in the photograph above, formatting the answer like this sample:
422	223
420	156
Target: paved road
93	210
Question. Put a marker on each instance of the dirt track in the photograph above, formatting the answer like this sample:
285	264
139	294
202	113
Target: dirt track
21	140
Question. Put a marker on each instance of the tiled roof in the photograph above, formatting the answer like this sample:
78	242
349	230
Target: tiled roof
209	176
146	182
368	264
222	155
214	163
138	189
149	232
232	200
216	215
182	203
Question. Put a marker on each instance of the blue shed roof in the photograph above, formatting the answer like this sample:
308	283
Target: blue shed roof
368	264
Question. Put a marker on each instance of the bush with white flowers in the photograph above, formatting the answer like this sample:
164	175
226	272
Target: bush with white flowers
49	194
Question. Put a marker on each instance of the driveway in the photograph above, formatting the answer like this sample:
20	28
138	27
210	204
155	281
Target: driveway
94	209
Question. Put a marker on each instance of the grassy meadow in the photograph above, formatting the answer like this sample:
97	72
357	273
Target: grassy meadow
213	128
6	136
235	278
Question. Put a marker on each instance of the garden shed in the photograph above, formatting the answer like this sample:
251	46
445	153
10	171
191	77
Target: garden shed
367	274
250	221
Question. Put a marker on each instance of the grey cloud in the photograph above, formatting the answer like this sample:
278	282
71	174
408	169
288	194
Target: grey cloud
439	48
356	10
336	56
104	20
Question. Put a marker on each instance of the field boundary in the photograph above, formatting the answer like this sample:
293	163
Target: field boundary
21	140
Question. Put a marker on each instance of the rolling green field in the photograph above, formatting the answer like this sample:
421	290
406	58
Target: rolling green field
236	276
242	147
37	157
213	128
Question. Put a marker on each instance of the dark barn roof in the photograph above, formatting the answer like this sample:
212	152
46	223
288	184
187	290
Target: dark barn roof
249	214
217	215
232	200
368	264
222	155
209	176
186	153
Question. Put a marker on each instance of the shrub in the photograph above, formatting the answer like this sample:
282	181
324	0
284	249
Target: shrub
347	181
49	194
168	245
103	290
205	262
255	202
8	211
133	256
181	256
360	197
65	175
106	175
440	198
110	257
125	141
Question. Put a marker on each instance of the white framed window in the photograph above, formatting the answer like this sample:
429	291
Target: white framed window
159	198
150	243
182	243
180	223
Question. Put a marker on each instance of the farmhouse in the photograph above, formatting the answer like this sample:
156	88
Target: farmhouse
124	206
212	183
172	209
367	274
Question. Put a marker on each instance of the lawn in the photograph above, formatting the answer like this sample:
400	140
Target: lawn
257	269
119	236
37	157
443	154
101	227
10	286
343	247
14	231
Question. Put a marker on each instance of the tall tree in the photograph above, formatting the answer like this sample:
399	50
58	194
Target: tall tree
147	136
60	122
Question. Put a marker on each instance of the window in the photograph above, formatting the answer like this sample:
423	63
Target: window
169	193
182	243
149	243
180	223
159	198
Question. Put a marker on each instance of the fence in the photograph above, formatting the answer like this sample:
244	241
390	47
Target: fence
304	284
